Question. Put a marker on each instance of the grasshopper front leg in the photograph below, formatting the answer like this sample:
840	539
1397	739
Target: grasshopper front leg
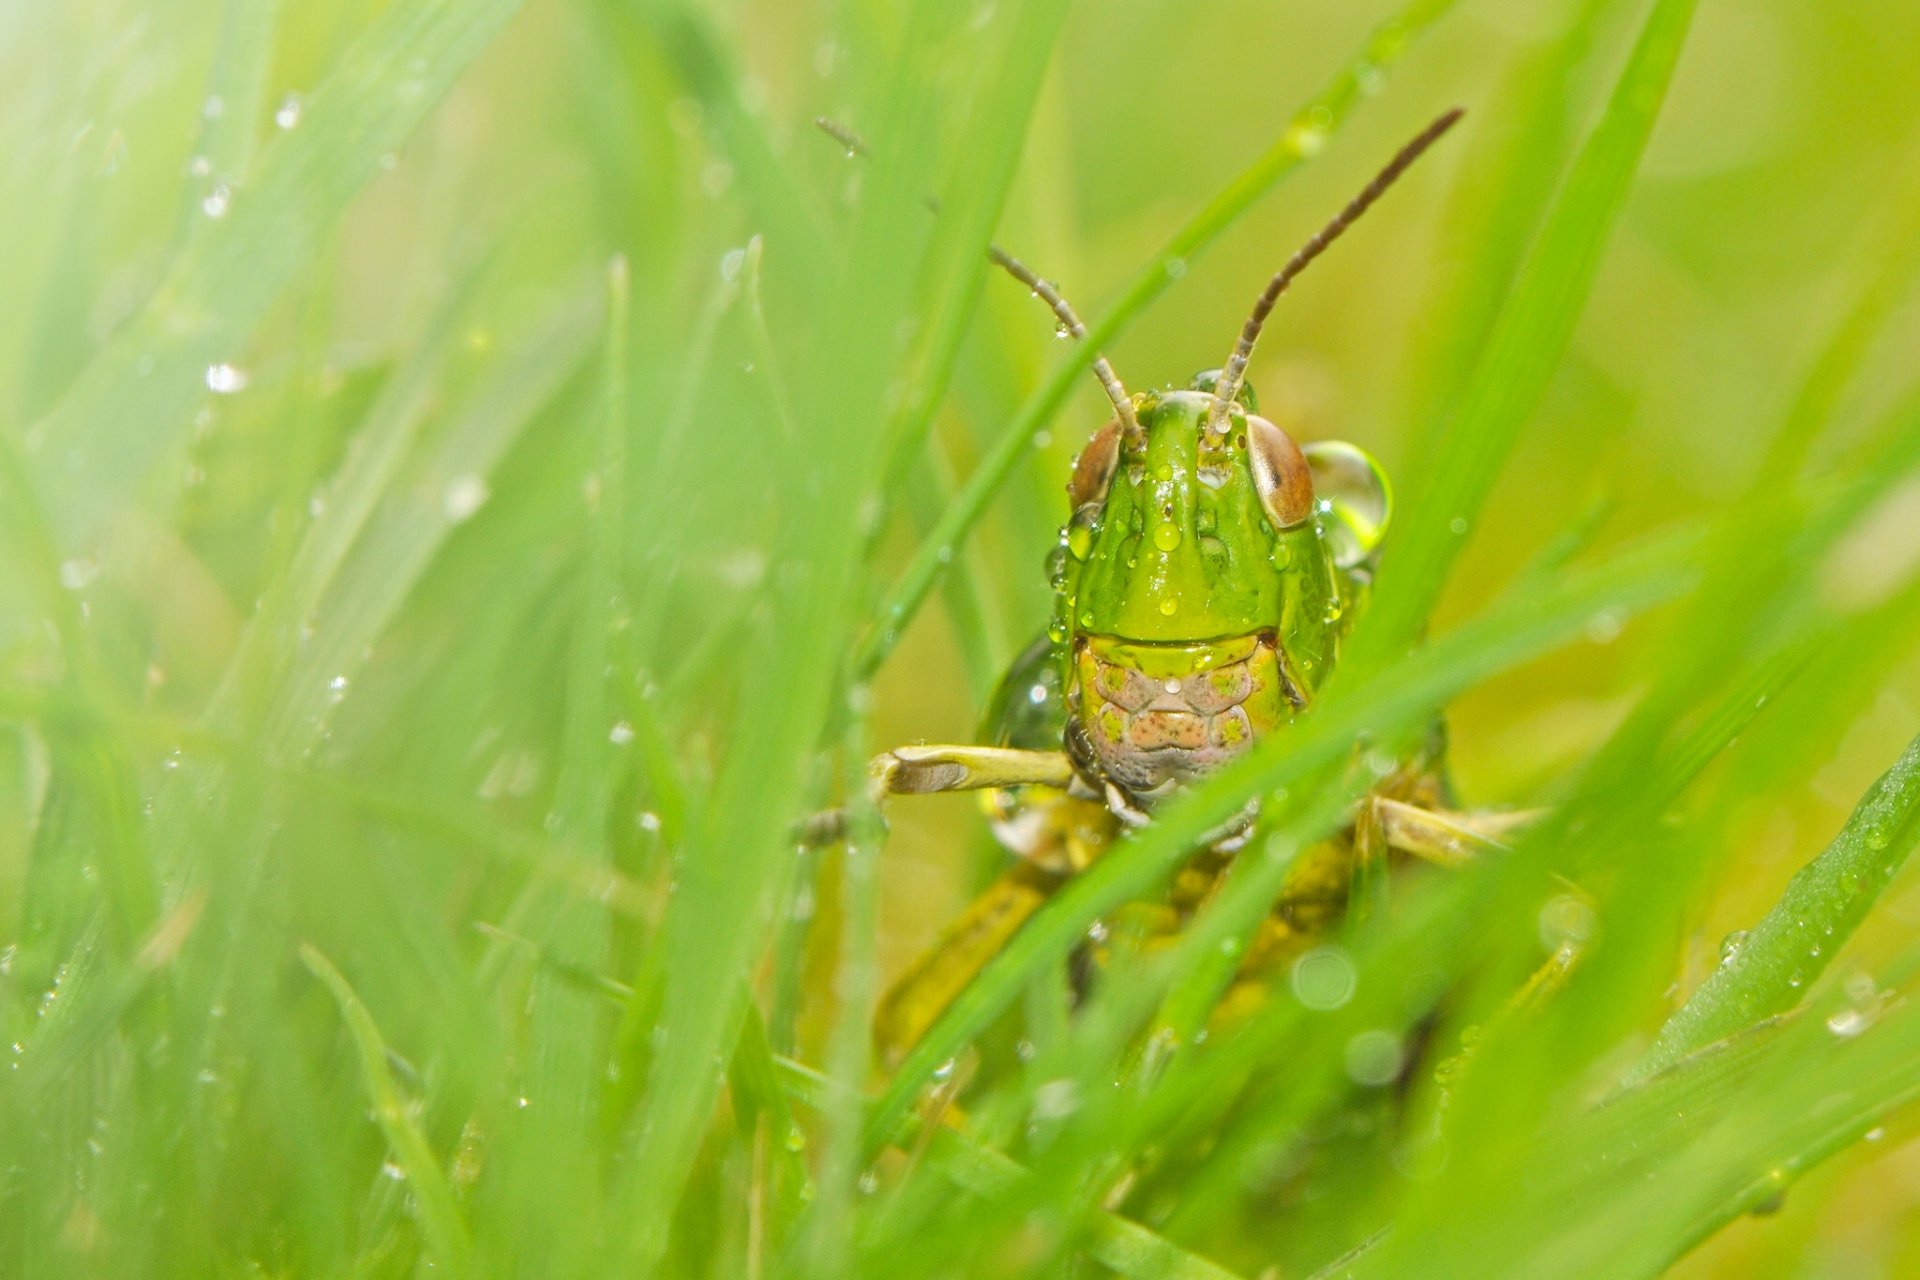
931	769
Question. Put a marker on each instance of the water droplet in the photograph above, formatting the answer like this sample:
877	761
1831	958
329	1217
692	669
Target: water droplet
287	114
944	1071
1306	140
1061	332
1056	1100
1323	978
1169	607
217	201
796	1140
1848	1023
1175	268
1172	686
1166	536
1037	694
1374	1058
394	1171
463	496
1458	524
76	575
336	688
1080	538
1877	837
226	379
621	733
1731	944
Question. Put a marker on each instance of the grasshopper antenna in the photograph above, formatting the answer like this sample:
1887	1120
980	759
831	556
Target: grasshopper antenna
1061	308
1230	378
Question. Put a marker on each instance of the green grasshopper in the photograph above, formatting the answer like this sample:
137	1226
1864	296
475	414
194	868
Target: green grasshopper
1203	584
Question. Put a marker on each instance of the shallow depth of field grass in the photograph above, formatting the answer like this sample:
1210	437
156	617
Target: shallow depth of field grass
474	473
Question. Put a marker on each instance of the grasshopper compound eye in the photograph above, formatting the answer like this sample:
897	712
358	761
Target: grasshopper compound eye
1280	474
1093	470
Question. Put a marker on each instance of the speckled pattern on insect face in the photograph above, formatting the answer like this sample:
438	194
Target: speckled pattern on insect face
1197	604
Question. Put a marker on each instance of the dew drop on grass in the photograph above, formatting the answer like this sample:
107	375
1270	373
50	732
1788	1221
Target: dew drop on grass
1374	1058
336	689
1323	979
1056	1099
463	496
944	1071
226	379
1848	1023
217	201
287	114
393	1171
648	820
796	1140
79	573
621	734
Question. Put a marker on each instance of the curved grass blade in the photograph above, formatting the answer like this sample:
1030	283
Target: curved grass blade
438	1214
1303	136
1820	909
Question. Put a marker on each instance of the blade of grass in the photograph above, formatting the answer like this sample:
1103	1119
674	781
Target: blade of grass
438	1214
1524	349
134	401
1820	909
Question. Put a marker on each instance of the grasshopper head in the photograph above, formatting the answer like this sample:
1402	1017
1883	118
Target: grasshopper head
1211	568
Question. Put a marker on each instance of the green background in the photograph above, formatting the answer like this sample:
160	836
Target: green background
451	453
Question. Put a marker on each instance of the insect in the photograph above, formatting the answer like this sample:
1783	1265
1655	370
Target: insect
1204	581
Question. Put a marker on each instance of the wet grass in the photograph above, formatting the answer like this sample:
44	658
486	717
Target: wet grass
472	476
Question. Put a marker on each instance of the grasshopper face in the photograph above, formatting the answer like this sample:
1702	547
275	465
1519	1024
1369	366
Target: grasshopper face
1205	588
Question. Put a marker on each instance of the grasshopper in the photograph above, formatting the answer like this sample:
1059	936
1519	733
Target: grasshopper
1207	574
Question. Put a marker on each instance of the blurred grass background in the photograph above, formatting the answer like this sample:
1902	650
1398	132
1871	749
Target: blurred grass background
442	447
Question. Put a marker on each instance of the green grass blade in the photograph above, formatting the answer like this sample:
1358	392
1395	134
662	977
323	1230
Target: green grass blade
1524	349
134	401
1821	908
439	1215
